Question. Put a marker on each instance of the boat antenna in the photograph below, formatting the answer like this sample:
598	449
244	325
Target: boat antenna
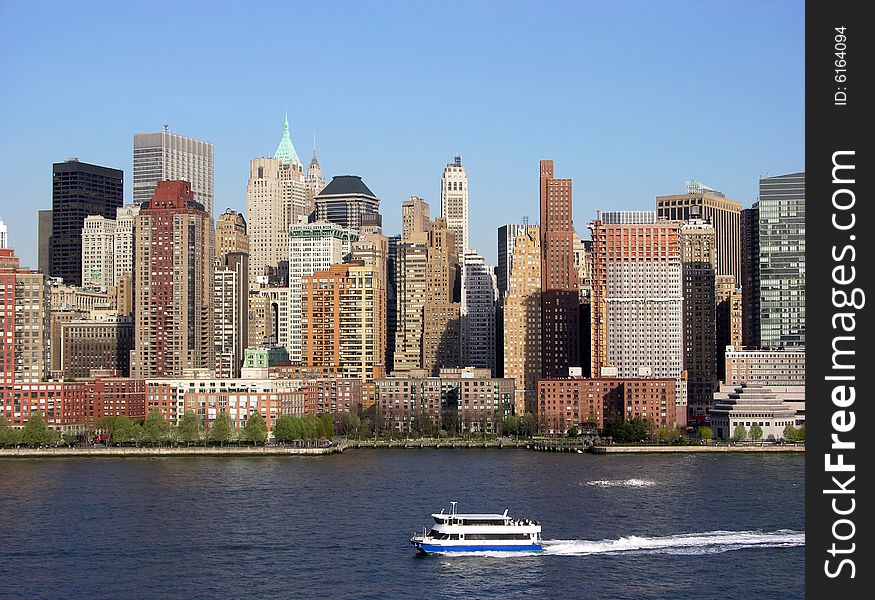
454	507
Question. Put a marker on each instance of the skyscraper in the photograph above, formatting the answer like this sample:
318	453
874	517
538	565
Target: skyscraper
230	312
454	203
750	276
479	293
25	312
344	200
44	237
275	199
729	319
428	324
441	336
314	183
231	233
123	241
411	266
78	190
98	251
637	295
698	262
311	247
166	156
782	261
173	281
415	216
559	279
507	235
4	235
522	321
391	299
342	325
713	206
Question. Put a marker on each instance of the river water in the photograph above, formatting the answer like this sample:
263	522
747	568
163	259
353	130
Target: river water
619	526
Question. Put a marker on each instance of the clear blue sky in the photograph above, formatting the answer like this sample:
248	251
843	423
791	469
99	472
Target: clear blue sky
630	99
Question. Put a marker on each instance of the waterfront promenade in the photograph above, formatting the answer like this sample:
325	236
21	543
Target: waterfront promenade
541	445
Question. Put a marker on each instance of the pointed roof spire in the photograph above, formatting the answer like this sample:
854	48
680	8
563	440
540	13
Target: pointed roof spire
313	161
286	150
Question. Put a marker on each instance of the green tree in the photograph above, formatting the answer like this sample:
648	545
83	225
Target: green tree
800	434
367	426
756	432
638	429
790	433
348	424
189	428
124	430
285	430
663	434
35	431
740	433
572	432
510	425
528	425
155	429
705	433
327	426
311	427
222	430
106	425
8	435
255	430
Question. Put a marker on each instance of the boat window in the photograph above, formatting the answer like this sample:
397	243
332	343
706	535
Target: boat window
497	536
454	536
483	522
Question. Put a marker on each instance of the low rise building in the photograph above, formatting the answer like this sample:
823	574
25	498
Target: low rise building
751	404
585	404
208	397
74	406
457	400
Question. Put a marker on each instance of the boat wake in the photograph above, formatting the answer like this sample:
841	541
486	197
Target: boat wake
711	542
609	483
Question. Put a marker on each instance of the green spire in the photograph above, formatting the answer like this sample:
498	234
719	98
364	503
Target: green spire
286	151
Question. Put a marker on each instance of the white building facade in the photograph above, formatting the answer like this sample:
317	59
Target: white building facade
276	198
98	252
454	202
123	240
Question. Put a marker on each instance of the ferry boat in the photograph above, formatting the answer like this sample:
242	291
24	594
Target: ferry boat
460	532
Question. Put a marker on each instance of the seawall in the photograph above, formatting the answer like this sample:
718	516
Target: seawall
687	449
176	451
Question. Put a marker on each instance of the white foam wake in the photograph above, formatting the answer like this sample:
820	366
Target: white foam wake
608	483
710	542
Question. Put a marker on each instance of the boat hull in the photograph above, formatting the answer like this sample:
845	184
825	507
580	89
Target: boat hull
426	548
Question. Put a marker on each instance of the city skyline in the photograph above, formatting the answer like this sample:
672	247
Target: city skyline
636	100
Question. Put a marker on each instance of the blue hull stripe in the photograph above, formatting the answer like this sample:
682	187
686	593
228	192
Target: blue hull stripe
493	548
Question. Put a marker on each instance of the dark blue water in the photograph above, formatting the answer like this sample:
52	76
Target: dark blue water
647	526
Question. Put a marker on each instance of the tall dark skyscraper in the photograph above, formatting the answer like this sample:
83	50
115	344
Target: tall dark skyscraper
750	276
78	190
44	236
559	278
345	200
